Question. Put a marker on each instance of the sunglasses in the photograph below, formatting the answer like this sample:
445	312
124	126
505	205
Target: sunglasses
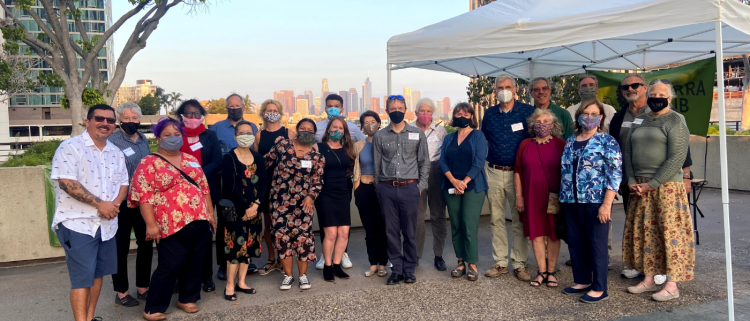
634	86
664	81
399	97
101	119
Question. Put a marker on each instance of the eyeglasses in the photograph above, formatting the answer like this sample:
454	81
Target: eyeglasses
664	81
536	90
399	97
196	114
633	85
101	119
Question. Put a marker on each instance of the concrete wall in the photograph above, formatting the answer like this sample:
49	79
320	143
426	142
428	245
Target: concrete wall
738	152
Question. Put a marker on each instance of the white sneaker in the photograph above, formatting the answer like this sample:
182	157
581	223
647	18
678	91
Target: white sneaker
320	263
630	273
345	262
304	283
660	279
287	283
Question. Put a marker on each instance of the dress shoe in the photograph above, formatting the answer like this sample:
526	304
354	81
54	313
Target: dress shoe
394	279
409	278
158	316
440	263
189	308
208	285
222	273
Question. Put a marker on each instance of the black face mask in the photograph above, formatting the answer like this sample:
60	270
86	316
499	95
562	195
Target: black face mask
396	116
657	103
129	128
234	113
461	122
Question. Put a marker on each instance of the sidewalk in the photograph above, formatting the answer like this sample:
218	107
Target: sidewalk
41	292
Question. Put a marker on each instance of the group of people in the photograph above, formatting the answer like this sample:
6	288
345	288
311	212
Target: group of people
558	171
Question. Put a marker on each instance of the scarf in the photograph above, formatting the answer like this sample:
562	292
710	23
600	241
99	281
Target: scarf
192	132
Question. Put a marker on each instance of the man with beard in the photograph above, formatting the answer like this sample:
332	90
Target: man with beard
540	90
91	181
225	129
588	88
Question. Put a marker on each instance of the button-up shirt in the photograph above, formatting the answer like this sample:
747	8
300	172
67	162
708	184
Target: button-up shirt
505	131
225	132
101	172
401	156
354	131
435	135
133	151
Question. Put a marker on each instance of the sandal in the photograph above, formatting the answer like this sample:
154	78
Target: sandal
472	275
270	266
536	283
550	282
246	291
381	271
232	297
458	271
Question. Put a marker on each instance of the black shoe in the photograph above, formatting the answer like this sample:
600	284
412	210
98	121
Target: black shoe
127	301
143	296
409	278
440	263
394	279
208	285
339	272
328	273
97	319
222	273
251	268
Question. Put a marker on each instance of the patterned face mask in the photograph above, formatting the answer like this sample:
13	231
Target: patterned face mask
272	116
589	122
306	138
542	130
371	129
335	135
245	140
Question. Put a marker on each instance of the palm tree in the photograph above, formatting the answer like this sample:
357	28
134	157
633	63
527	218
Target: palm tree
174	98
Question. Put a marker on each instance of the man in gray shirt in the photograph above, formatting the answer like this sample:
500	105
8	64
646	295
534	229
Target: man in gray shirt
402	166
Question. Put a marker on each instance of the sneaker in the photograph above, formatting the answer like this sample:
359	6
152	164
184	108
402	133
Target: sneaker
630	273
522	275
495	271
660	279
126	301
320	263
287	283
304	283
345	262
143	296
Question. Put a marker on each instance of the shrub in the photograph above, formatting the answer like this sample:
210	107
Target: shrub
40	153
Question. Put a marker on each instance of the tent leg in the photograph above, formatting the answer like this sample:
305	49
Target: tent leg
724	167
389	79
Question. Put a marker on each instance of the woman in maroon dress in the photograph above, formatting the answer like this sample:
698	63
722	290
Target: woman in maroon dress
537	173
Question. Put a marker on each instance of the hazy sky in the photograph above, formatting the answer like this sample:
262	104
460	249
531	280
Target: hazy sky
258	47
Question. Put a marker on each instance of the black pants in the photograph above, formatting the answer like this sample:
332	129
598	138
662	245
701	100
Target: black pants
130	218
181	258
399	208
625	191
587	244
221	256
372	219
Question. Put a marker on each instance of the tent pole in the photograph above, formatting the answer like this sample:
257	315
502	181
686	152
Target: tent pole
724	167
389	79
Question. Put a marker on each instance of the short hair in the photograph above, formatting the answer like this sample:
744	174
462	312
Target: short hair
168	121
335	97
390	101
584	77
469	109
584	105
366	114
504	77
538	79
630	74
190	103
240	123
556	126
129	106
425	101
242	99
672	93
307	120
90	113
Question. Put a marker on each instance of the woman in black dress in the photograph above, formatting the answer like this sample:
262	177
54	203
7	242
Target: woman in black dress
272	131
244	183
333	202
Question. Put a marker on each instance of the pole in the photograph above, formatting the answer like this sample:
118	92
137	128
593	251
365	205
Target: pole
723	166
389	79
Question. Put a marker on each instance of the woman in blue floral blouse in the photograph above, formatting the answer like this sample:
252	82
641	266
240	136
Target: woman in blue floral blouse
591	175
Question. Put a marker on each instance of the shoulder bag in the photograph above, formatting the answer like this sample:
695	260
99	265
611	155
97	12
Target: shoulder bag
553	200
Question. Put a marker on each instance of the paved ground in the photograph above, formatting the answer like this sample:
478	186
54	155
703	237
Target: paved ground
41	292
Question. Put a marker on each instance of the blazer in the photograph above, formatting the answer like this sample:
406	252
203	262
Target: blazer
478	144
357	169
211	162
599	169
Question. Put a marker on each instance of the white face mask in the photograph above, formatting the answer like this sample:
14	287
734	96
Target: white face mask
504	96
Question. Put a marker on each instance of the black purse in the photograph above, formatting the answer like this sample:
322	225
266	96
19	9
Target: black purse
226	205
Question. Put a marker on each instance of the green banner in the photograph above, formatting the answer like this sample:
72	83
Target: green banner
693	83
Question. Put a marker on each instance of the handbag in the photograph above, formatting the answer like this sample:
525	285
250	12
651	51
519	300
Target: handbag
553	200
226	205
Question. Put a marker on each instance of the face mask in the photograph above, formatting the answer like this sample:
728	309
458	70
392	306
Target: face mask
130	128
542	130
333	112
657	103
335	135
245	141
504	96
272	117
396	116
461	122
192	123
371	129
306	138
590	122
588	93
424	119
234	113
171	143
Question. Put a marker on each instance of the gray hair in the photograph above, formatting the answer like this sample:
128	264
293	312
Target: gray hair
584	77
226	101
426	101
129	105
556	126
672	93
504	77
538	79
639	76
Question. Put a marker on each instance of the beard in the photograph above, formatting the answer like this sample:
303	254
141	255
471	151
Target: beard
631	99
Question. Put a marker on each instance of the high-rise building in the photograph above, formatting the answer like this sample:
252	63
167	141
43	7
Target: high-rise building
375	104
353	100
127	93
407	98
279	96
310	98
289	101
302	106
317	107
323	101
323	95
447	108
345	95
415	97
366	94
385	104
439	109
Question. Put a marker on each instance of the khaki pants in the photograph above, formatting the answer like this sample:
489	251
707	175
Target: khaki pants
502	193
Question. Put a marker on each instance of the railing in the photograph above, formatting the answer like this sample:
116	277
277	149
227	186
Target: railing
728	95
734	124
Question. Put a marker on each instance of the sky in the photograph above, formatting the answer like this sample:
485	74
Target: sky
258	47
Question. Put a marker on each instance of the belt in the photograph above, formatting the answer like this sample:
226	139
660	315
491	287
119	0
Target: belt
502	168
401	183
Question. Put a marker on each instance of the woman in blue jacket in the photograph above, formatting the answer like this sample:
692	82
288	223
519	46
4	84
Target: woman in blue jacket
464	187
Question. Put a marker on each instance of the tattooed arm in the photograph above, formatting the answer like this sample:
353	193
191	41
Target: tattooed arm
106	209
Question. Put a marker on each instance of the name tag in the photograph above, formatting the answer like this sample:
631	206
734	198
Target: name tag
638	121
627	124
196	146
306	164
516	127
128	152
194	164
413	136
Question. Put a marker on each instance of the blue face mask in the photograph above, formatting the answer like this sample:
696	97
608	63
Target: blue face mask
333	112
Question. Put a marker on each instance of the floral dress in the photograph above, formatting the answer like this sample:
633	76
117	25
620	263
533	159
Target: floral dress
243	185
293	179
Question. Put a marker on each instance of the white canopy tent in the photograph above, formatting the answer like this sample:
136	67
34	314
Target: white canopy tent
532	38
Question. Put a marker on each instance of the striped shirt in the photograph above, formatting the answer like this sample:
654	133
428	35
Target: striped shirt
134	151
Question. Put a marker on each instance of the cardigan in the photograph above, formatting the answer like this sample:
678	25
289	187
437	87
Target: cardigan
599	169
478	144
211	162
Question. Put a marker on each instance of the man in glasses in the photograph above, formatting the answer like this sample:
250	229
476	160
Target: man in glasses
540	91
225	129
588	88
91	181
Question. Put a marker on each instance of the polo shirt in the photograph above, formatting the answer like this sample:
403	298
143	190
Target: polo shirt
502	139
225	132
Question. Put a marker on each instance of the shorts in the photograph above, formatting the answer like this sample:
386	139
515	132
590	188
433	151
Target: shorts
87	257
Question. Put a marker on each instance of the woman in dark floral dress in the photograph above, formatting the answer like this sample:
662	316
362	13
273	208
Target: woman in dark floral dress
298	169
